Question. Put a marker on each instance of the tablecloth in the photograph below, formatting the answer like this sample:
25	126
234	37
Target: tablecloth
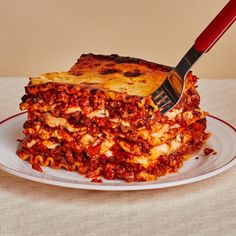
207	207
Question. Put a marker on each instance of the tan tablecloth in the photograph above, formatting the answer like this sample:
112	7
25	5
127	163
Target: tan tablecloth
204	208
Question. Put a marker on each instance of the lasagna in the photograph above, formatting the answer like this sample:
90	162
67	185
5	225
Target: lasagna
99	119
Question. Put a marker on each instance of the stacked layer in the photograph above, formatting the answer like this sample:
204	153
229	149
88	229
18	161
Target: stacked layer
99	119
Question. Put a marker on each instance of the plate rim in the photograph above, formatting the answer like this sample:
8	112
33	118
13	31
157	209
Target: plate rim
121	187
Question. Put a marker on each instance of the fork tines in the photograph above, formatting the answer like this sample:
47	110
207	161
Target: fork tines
165	97
162	100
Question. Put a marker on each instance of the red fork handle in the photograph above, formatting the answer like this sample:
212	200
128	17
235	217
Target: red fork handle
216	28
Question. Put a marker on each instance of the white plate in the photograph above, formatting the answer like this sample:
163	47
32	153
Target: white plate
223	140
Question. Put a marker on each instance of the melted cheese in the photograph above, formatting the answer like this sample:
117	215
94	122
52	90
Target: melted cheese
106	145
147	177
142	85
173	113
31	143
125	123
49	144
109	153
87	139
156	136
53	122
72	110
98	113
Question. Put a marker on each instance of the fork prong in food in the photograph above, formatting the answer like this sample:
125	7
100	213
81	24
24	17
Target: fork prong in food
166	108
162	102
160	96
157	92
167	88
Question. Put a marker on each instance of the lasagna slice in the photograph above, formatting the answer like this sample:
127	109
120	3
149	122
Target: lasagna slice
99	119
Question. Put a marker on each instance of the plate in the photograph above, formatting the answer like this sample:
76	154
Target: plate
198	167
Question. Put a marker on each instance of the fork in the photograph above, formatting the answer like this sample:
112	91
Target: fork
171	90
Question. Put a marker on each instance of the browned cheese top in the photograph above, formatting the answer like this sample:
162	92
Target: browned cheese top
122	74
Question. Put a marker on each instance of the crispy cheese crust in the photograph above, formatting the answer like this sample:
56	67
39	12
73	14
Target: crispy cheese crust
98	118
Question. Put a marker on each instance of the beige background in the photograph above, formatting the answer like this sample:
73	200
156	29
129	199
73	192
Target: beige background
41	36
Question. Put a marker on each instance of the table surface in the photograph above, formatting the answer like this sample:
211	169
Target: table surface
207	207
